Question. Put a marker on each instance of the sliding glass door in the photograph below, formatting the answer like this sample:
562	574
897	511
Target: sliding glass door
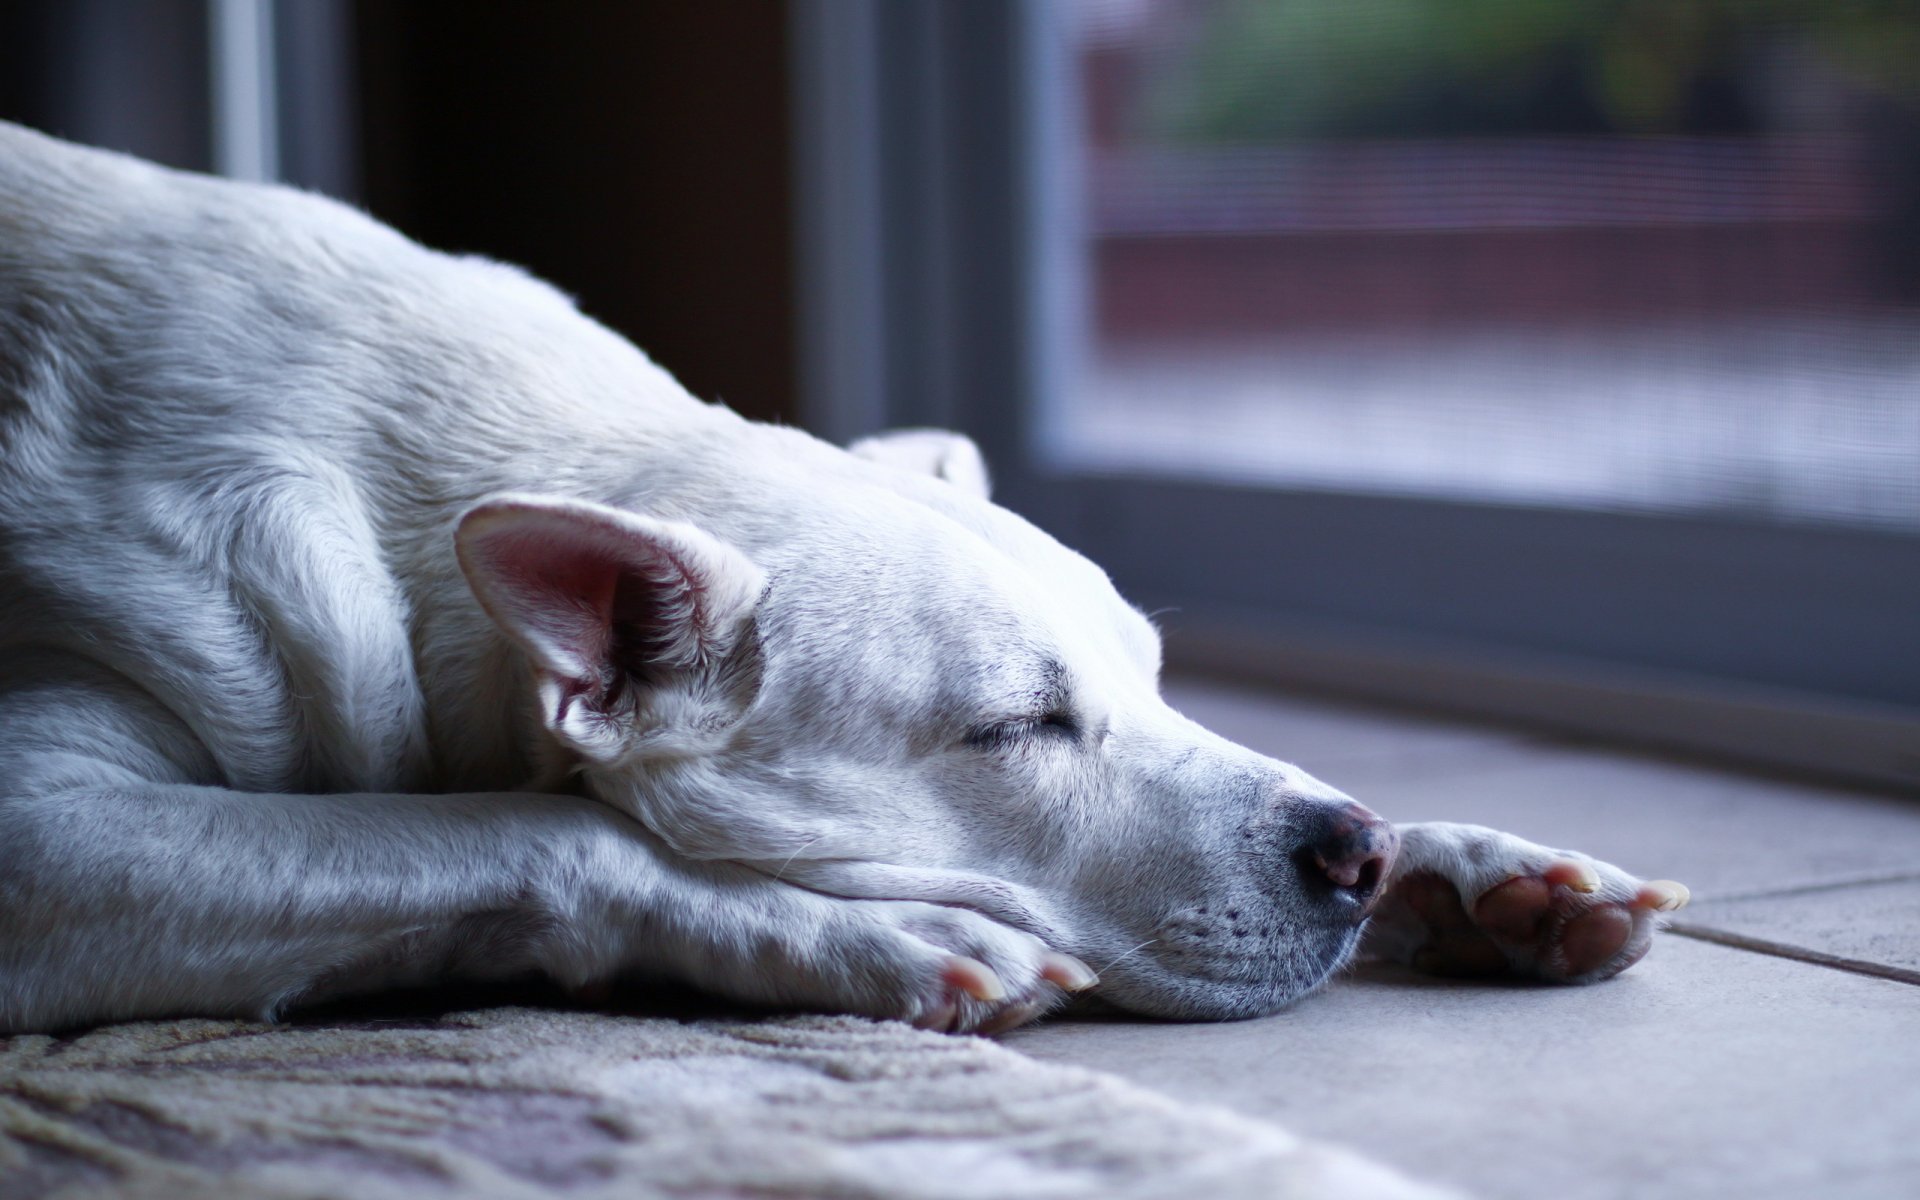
1558	360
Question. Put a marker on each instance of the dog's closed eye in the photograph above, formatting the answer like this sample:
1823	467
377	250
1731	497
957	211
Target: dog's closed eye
1054	723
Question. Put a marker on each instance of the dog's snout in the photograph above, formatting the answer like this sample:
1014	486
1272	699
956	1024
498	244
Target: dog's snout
1352	849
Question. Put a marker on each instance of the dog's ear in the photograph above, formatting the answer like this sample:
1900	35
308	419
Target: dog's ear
937	452
613	608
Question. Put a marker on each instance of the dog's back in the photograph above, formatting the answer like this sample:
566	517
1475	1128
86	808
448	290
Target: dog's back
235	425
153	488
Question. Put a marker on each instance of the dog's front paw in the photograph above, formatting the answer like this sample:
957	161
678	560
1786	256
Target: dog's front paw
1469	901
942	968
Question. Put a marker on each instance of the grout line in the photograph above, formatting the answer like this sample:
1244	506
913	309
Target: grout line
1802	889
1740	941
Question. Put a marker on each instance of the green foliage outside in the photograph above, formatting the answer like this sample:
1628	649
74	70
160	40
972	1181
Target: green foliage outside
1264	70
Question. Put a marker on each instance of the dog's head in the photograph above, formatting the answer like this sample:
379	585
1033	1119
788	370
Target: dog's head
862	677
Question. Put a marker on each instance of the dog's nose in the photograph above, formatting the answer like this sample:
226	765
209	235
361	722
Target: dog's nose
1352	849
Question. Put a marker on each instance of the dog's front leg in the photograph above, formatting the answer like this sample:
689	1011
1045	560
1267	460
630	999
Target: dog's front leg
1468	900
123	899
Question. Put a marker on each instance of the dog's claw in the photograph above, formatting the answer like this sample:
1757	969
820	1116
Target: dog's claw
1011	1017
1573	874
1067	972
976	979
1662	895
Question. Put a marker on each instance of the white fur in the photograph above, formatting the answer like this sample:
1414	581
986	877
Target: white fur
265	736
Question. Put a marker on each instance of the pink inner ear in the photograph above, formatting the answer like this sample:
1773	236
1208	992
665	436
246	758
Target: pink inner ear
600	598
555	589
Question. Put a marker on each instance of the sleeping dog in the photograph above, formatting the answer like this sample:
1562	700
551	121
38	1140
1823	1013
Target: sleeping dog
373	618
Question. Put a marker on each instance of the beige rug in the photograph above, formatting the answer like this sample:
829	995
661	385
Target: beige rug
516	1102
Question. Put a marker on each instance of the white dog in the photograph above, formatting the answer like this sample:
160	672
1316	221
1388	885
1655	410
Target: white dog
371	618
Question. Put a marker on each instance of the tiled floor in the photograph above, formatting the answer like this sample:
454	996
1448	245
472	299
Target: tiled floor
1708	1070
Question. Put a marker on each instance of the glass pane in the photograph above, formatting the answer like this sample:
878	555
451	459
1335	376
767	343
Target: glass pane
1629	254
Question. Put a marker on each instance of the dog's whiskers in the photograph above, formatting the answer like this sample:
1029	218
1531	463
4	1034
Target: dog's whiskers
788	861
1128	954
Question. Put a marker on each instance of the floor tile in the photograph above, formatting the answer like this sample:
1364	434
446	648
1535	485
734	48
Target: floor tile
1704	1071
1322	736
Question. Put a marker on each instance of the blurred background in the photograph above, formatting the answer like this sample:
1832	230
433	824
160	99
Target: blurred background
1551	360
